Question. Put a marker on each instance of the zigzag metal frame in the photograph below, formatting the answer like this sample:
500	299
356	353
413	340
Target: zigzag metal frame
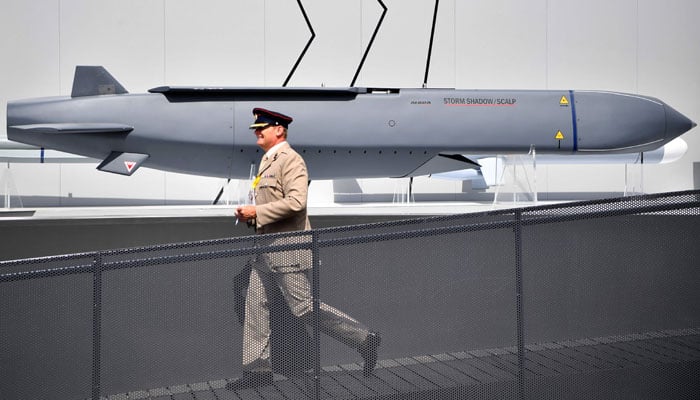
430	46
369	45
308	44
371	41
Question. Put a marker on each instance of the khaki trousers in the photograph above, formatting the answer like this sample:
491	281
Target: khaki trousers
296	291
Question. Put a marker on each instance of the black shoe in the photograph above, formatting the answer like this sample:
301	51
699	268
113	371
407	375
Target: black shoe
251	380
368	351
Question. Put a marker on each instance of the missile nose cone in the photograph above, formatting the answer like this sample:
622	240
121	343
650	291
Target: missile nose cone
677	123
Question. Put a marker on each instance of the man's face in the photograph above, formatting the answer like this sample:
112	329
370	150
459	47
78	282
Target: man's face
267	136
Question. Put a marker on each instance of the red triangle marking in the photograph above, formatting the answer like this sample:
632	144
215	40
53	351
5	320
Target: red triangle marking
129	165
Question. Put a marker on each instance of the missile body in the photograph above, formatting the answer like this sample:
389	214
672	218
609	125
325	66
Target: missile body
340	132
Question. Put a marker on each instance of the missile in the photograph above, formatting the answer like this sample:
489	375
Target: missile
349	132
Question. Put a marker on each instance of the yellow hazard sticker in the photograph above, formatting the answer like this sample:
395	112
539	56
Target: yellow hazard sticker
564	101
559	135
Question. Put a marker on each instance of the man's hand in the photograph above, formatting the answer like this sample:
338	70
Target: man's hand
246	213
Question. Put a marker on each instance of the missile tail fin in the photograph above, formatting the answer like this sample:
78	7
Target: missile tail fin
95	81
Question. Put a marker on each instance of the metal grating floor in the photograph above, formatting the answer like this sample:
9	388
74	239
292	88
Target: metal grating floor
488	373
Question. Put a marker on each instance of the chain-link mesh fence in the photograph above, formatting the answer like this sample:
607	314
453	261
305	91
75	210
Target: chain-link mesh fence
585	300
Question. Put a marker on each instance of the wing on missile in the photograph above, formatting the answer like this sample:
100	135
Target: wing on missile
82	128
122	163
444	163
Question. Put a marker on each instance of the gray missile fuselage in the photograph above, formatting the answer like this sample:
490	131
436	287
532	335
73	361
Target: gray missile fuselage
342	132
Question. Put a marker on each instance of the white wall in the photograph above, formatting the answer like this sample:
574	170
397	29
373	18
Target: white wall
639	46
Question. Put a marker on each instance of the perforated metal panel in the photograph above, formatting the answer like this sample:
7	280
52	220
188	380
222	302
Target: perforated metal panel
586	300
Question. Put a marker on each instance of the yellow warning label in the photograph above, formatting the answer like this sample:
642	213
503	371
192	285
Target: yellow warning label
559	135
564	101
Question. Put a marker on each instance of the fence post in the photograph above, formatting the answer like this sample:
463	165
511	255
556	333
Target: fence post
315	283
96	325
517	229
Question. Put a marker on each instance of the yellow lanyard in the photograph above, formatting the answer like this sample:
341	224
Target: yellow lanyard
256	181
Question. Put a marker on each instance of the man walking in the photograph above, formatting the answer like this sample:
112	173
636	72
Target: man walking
280	190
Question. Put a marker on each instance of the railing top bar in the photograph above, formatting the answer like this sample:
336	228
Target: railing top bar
45	273
530	220
44	259
306	245
539	219
167	246
530	216
179	258
416	233
617	201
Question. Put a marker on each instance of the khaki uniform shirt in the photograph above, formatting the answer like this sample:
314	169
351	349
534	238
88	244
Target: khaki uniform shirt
280	205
